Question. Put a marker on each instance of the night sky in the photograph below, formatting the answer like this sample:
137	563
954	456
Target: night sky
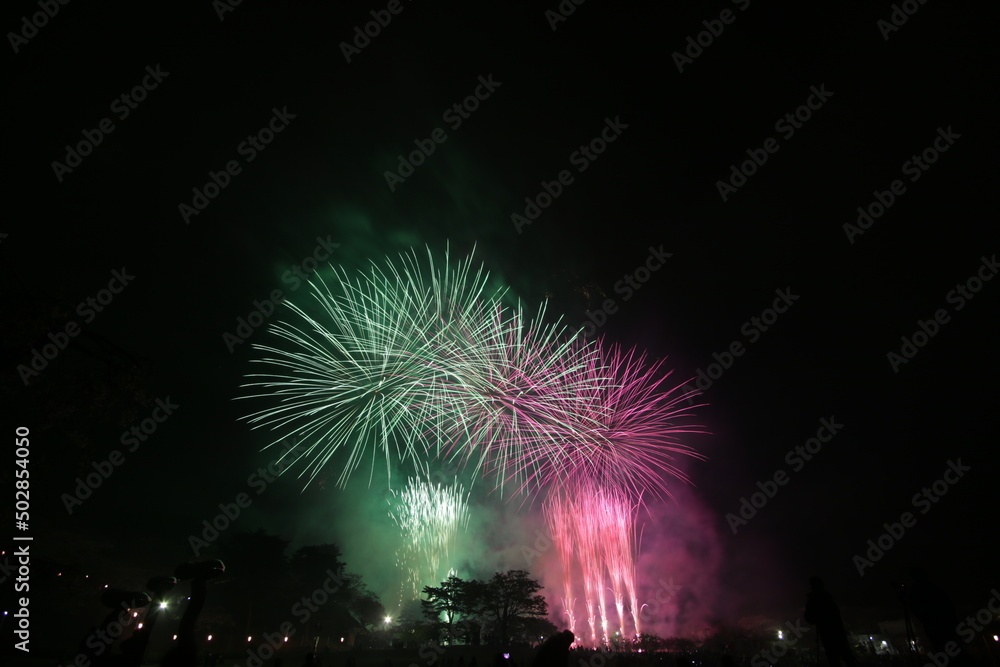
879	106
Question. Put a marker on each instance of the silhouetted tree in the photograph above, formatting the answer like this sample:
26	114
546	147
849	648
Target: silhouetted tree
508	599
446	601
364	604
535	628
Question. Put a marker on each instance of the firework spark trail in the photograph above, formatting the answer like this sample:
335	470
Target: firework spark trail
364	374
415	360
576	545
632	541
619	606
630	433
523	390
430	518
409	362
587	559
559	521
594	530
621	552
595	569
617	566
621	448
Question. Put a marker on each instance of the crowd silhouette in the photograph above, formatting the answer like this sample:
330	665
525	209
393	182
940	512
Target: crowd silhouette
922	601
824	613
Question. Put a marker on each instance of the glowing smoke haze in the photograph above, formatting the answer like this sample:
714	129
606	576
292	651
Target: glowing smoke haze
415	364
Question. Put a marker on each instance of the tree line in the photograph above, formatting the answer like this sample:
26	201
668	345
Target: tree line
503	610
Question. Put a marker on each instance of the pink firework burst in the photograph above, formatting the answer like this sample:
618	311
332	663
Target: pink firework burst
630	435
622	447
517	389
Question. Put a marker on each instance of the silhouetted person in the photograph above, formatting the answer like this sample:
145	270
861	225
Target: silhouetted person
555	651
185	652
134	648
96	647
936	613
823	612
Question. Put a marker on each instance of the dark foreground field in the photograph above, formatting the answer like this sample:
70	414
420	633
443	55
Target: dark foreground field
479	656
